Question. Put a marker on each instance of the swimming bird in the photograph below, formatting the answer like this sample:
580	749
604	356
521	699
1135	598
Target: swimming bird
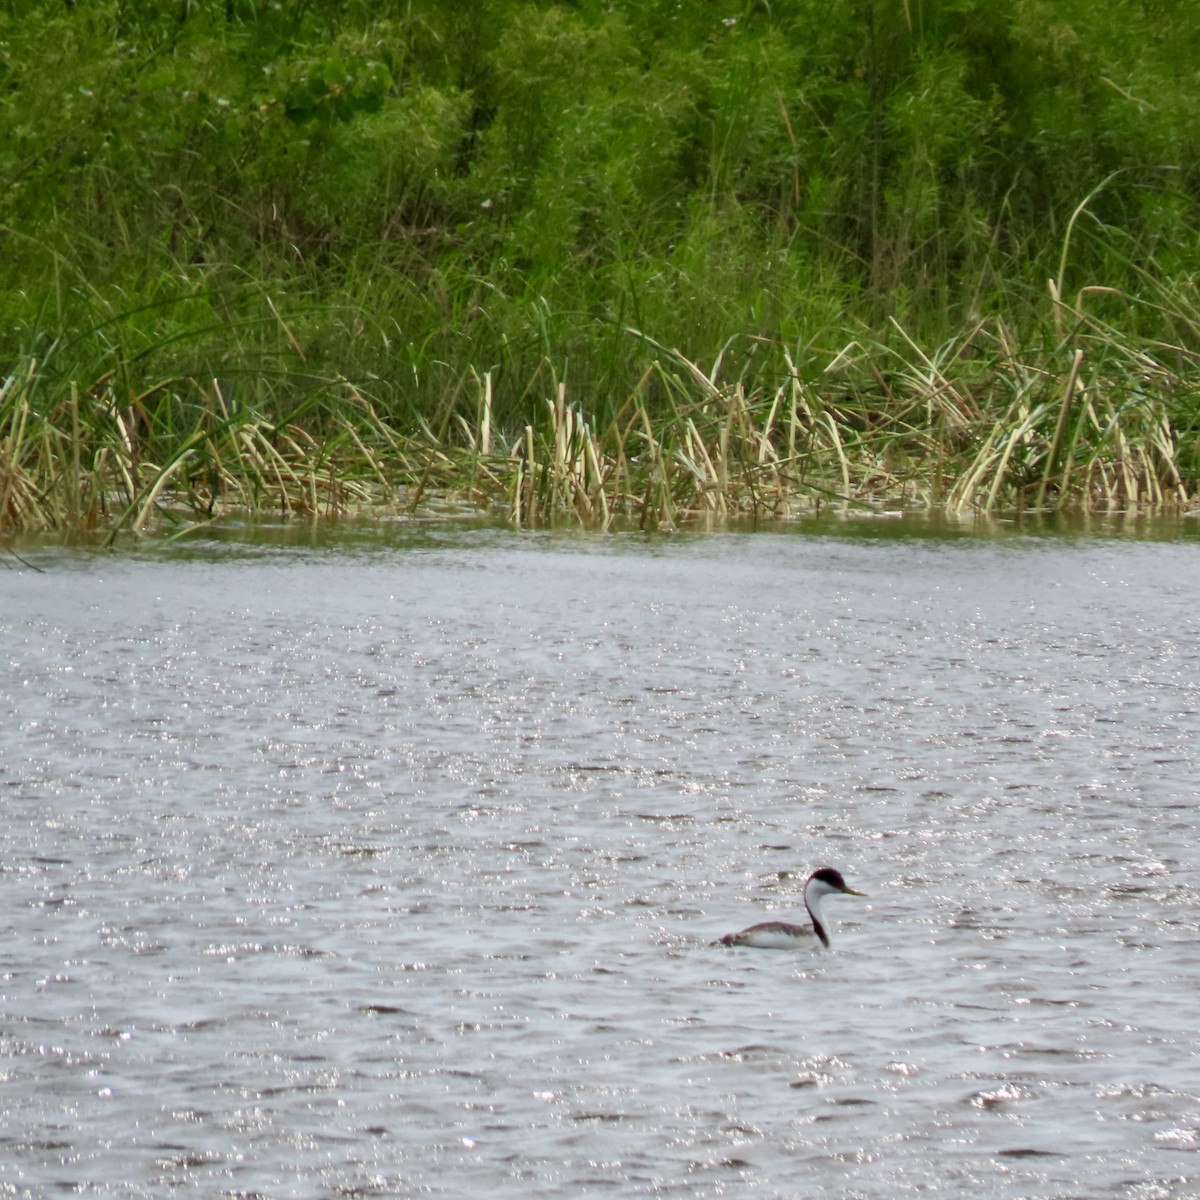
779	935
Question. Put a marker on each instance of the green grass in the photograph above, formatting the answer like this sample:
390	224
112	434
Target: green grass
335	257
977	423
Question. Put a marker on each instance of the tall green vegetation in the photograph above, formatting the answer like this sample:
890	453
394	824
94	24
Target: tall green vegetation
938	248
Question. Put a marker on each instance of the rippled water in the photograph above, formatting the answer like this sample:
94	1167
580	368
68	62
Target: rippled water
392	868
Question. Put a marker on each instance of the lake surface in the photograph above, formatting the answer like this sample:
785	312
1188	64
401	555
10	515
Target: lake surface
391	866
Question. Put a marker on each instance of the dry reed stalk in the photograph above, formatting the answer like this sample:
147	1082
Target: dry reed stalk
657	506
1125	471
931	384
164	477
577	469
485	419
311	493
252	467
1164	444
12	477
963	492
531	477
695	459
74	495
598	478
1055	448
126	455
765	446
1017	434
1150	476
515	508
367	456
722	454
706	383
560	432
795	399
843	461
595	475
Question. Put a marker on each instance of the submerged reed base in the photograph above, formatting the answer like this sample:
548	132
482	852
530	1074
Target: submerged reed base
1092	424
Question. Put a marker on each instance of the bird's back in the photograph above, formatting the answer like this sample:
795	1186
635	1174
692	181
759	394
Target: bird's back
772	935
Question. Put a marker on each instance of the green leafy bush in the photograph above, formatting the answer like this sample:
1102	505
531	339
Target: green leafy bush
411	195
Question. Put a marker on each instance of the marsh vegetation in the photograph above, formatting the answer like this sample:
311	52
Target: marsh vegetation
596	260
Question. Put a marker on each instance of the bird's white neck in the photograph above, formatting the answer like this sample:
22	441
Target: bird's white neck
815	890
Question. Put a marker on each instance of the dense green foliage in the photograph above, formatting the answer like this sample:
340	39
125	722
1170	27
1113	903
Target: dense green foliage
411	195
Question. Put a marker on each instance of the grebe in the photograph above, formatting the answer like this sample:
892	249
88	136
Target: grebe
778	935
